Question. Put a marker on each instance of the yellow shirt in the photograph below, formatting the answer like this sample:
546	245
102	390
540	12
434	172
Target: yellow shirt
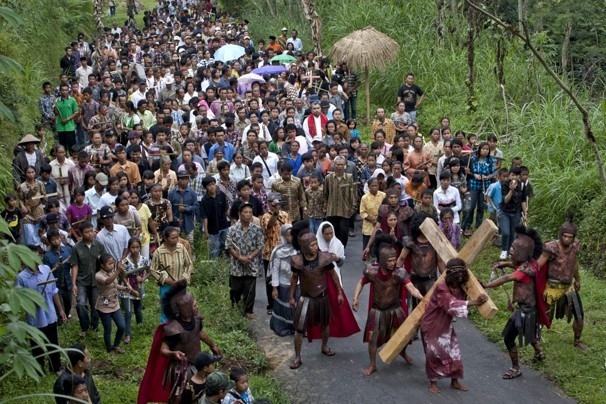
369	206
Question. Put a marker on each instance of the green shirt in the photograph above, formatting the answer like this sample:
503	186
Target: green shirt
66	108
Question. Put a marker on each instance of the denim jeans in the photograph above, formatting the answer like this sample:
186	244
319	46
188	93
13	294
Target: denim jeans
477	204
413	115
130	305
87	296
507	224
314	225
350	107
216	243
106	320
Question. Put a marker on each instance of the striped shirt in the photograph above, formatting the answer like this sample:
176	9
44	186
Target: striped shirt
176	265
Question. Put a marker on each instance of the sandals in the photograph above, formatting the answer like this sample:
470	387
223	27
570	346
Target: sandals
296	364
512	374
328	352
118	350
539	356
127	340
352	234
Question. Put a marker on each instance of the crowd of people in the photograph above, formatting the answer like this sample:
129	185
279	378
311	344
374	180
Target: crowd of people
152	140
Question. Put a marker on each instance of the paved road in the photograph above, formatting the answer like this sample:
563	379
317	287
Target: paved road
339	379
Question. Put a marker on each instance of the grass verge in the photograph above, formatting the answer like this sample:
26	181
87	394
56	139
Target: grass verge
118	376
580	374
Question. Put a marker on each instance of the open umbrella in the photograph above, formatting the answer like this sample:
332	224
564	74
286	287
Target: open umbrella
270	70
229	52
250	78
283	58
364	49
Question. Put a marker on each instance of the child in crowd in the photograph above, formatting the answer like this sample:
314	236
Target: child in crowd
426	204
240	393
196	385
12	214
416	187
316	203
353	131
451	230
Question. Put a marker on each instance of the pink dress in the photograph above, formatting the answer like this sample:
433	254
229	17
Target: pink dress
442	352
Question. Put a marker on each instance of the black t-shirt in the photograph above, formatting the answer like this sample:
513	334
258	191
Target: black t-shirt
254	201
409	96
515	203
12	218
214	210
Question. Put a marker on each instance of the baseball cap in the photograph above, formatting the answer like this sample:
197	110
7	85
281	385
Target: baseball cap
106	212
218	381
204	359
52	218
182	174
324	104
284	29
101	179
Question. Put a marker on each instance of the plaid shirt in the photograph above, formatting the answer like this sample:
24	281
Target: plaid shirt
482	167
262	195
196	184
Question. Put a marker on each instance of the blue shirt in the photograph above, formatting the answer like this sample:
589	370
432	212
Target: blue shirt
64	275
228	151
494	193
189	199
296	163
484	167
27	279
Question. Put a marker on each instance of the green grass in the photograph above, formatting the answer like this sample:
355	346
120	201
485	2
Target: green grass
118	376
580	374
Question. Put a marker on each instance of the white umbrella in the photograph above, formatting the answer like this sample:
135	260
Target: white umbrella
229	52
250	78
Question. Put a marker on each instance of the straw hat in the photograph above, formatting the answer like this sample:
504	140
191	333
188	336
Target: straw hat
29	139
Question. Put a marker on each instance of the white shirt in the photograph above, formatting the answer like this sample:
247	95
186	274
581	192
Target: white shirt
82	75
270	162
441	197
106	199
91	198
296	43
136	97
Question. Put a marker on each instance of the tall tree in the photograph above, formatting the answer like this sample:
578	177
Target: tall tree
440	21
313	19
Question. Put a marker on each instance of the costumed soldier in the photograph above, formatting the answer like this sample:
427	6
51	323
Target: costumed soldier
559	259
322	304
528	288
387	302
175	345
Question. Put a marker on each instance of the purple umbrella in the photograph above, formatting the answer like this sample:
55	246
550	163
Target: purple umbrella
270	69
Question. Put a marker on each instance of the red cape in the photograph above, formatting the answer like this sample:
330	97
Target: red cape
540	284
153	387
343	323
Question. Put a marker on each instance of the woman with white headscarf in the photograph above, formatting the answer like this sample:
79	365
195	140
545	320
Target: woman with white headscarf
281	321
328	242
380	175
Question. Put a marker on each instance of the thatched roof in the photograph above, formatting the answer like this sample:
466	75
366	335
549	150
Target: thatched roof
365	48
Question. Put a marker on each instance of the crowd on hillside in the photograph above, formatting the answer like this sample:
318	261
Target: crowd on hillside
158	137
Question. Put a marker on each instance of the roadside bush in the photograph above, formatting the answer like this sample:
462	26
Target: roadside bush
593	241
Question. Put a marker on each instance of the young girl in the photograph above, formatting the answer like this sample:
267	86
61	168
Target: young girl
146	224
481	176
278	140
161	212
134	260
108	305
238	170
353	131
240	393
89	180
127	216
451	230
78	212
389	228
31	208
123	180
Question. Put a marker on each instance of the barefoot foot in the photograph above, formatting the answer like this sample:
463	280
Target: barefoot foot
458	386
433	388
406	357
369	370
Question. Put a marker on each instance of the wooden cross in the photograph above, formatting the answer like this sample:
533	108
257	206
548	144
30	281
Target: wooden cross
470	251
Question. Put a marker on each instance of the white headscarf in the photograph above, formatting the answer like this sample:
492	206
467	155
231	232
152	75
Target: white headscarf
375	174
334	246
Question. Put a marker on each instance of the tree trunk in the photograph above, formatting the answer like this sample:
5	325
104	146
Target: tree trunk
471	54
99	26
523	35
367	90
440	22
313	19
566	48
521	15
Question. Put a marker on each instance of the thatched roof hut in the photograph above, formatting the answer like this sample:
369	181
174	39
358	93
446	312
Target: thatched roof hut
365	49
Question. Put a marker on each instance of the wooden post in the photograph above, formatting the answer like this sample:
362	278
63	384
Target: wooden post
482	236
367	89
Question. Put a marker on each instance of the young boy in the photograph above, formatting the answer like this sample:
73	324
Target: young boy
426	204
493	194
50	185
214	210
308	170
258	185
195	387
12	214
316	203
388	305
57	260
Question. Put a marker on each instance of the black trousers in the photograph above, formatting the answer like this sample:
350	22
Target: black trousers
341	225
54	359
243	288
268	287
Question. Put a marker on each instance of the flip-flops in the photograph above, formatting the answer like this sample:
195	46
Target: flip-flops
328	352
512	374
